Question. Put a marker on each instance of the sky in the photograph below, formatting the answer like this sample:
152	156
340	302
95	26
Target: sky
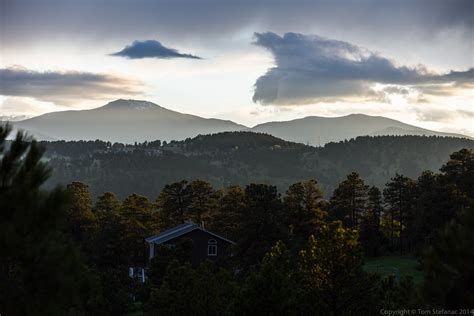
246	61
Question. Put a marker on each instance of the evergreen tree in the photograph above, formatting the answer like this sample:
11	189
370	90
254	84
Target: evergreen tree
303	205
176	296
262	223
371	236
81	222
108	250
374	203
332	278
399	194
434	208
139	221
348	200
107	203
208	290
164	255
174	202
117	288
227	217
41	273
203	201
449	264
459	170
277	278
216	290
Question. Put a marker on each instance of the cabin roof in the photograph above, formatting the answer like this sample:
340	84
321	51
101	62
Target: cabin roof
180	230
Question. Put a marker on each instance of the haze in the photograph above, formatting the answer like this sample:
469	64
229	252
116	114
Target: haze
245	61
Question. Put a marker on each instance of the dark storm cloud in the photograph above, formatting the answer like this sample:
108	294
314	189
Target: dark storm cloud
63	87
151	49
24	20
311	69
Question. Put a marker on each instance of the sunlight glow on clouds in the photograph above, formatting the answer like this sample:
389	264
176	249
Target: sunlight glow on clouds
63	87
311	69
25	106
64	48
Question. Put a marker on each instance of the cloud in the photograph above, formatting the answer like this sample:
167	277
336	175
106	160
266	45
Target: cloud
151	49
23	107
442	115
210	18
63	88
311	69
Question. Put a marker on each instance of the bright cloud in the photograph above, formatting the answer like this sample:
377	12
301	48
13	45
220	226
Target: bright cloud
311	69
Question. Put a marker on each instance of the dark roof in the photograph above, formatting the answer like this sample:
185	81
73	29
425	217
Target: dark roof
179	231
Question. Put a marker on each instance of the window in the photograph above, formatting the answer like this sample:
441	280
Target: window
212	247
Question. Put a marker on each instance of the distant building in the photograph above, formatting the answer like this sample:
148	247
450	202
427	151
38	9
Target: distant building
206	245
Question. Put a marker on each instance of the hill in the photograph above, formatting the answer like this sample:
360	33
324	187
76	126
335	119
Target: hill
317	131
241	158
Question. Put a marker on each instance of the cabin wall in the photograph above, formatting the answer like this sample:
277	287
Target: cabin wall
200	242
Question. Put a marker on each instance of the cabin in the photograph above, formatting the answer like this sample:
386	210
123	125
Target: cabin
206	245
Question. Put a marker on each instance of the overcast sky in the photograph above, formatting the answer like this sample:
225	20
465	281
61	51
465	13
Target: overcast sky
247	61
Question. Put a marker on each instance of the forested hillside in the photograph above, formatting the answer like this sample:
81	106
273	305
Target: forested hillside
308	254
62	253
243	157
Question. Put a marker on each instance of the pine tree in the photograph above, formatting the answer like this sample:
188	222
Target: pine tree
371	236
277	278
41	272
203	201
434	208
262	222
81	222
139	221
348	200
303	206
459	170
174	202
331	273
108	251
164	255
449	264
206	290
399	194
227	217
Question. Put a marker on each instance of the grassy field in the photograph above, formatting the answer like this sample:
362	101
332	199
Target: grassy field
398	266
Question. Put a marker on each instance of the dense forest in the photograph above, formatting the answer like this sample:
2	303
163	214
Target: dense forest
239	158
297	253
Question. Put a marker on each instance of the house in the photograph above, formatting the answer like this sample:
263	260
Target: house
206	245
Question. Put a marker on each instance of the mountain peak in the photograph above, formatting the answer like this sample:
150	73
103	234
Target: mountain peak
131	104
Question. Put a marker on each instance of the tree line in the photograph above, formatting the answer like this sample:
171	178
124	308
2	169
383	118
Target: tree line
240	158
63	252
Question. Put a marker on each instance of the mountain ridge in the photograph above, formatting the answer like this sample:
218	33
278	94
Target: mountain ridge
125	121
317	130
239	158
129	121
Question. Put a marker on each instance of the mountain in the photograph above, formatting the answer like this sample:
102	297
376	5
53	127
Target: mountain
129	121
316	130
241	158
125	121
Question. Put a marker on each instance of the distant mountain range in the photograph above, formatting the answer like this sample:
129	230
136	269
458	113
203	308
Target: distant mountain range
125	121
130	121
316	130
